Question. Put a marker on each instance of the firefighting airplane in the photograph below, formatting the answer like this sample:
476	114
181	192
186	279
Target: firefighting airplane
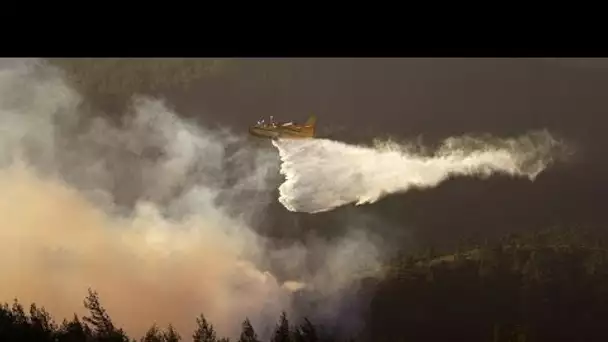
288	130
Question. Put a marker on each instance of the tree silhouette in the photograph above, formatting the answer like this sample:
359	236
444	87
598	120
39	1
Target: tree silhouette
154	334
282	333
248	333
306	332
204	331
42	326
171	335
73	331
102	327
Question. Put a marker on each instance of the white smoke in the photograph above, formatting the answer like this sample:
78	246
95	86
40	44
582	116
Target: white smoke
321	175
153	213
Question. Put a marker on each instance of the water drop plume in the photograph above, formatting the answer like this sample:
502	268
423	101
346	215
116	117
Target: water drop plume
321	174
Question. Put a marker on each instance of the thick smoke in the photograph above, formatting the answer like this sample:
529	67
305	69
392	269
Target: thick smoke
324	174
154	213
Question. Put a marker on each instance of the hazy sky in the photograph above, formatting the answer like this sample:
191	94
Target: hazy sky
437	98
362	99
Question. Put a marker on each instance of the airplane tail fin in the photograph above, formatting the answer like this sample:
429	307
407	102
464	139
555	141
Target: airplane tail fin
312	121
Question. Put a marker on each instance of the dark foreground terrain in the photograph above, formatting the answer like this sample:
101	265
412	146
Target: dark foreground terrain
545	286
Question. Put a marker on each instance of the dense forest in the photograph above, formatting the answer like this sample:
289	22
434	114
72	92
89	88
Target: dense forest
544	286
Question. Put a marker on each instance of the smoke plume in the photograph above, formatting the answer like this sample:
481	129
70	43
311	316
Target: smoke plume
324	174
154	213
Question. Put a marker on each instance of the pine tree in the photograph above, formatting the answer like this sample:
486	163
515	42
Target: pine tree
281	333
74	331
248	333
153	334
204	331
20	324
19	316
99	319
306	332
42	327
171	335
103	328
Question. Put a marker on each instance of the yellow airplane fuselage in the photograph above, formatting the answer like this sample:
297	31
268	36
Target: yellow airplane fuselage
276	132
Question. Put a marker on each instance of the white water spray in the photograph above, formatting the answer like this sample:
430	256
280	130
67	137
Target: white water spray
323	174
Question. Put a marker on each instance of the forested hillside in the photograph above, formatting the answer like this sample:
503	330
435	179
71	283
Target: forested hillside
547	286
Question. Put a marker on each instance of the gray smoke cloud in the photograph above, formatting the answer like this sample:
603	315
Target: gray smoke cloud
324	174
154	213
